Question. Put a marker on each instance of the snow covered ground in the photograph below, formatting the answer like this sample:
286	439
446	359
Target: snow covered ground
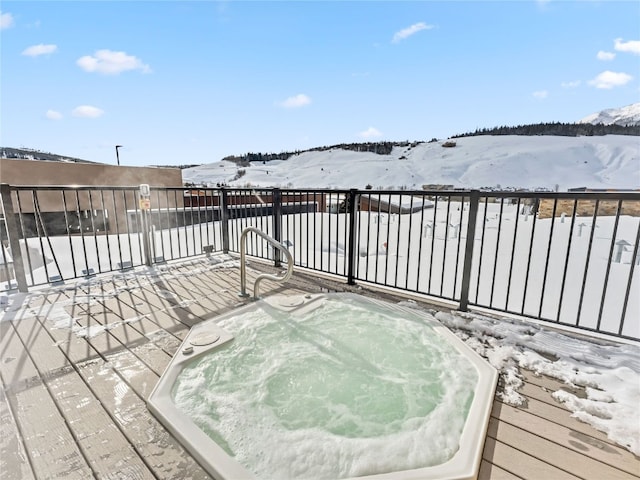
611	161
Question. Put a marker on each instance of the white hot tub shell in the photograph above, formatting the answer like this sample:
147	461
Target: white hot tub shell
208	336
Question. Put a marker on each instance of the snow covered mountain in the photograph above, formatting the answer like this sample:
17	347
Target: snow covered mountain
550	162
625	116
30	154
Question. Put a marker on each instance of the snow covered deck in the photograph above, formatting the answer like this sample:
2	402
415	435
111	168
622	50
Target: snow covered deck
78	361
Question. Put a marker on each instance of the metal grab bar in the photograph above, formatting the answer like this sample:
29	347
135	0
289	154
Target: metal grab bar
259	278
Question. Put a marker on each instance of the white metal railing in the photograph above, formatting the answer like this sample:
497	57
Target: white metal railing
263	276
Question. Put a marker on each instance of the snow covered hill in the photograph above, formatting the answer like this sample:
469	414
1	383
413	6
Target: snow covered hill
625	116
611	161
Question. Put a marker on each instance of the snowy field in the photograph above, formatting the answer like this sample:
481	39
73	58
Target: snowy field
509	161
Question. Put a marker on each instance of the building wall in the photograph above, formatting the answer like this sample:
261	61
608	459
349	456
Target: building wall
38	172
110	203
202	198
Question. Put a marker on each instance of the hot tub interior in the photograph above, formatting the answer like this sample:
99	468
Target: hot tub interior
327	386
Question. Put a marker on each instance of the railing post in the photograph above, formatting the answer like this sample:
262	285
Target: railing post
474	200
144	194
14	239
146	238
351	210
276	197
224	219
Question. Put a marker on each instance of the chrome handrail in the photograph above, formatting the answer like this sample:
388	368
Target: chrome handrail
263	276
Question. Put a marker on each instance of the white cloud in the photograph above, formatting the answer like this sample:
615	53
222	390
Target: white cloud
605	56
573	84
632	46
6	20
87	111
36	50
296	101
53	115
541	94
407	32
111	63
370	132
609	79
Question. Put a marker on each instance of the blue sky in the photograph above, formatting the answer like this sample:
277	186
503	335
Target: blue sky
178	82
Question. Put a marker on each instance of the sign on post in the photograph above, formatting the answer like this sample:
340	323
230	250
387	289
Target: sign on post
145	203
145	197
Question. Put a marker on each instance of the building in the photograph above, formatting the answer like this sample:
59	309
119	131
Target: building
400	204
586	207
81	210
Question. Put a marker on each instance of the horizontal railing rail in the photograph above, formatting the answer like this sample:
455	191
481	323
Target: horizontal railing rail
566	258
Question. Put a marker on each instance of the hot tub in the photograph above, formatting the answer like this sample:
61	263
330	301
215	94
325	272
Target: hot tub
327	386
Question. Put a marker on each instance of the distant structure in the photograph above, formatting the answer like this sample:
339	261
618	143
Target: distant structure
56	173
585	208
21	172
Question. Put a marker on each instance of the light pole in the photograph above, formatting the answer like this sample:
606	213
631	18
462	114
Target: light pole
118	154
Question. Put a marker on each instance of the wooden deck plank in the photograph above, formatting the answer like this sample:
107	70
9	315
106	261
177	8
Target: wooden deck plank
215	279
131	324
126	335
38	412
117	313
538	390
200	301
160	451
558	414
547	383
189	310
552	453
543	393
490	471
14	464
211	293
614	456
133	309
121	382
102	444
520	464
540	402
159	300
111	355
105	345
225	282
